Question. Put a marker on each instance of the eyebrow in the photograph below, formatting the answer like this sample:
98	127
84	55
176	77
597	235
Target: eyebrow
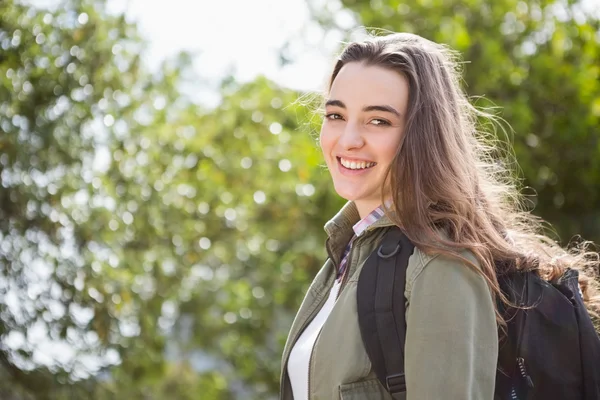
384	108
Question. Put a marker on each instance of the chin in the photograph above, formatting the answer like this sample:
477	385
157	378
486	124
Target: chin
349	194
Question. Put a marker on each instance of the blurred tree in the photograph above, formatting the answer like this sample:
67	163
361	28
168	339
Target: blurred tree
143	238
539	61
70	89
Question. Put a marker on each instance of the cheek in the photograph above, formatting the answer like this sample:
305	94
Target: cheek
386	148
390	153
326	140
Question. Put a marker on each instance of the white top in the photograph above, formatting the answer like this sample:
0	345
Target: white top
300	355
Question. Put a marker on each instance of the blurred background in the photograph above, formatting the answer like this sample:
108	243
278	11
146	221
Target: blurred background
162	194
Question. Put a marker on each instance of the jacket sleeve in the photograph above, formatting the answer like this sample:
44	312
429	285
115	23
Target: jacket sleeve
452	337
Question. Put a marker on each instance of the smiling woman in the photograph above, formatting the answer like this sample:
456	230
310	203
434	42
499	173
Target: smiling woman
401	143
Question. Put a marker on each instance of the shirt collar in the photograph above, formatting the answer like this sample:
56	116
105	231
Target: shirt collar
374	216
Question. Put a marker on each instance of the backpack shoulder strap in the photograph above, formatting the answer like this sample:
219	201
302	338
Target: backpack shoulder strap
381	309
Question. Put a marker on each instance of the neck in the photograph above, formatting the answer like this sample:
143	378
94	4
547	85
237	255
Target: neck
366	209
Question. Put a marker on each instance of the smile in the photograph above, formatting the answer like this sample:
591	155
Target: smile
355	165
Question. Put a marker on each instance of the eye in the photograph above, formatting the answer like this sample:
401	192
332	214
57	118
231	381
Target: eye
380	122
333	116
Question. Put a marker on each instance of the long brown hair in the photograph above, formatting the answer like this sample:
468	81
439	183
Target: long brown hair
452	187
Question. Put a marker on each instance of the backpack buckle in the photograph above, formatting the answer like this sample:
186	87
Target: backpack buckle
381	254
396	383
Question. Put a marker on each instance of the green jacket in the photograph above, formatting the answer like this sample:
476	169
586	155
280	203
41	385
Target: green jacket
451	338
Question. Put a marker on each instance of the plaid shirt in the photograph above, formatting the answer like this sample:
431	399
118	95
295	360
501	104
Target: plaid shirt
359	228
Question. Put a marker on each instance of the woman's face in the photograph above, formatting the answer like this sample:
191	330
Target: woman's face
364	122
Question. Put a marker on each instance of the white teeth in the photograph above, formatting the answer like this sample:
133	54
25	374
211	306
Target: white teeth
356	165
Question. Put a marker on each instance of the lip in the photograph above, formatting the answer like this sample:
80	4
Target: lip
352	172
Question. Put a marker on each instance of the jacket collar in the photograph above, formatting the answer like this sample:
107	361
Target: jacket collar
343	221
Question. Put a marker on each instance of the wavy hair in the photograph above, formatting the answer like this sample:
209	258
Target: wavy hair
453	186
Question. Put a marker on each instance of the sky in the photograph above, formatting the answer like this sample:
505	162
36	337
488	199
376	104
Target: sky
240	35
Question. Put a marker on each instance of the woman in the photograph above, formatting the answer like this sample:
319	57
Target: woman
399	139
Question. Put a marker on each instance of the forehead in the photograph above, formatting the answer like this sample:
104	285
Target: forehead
359	84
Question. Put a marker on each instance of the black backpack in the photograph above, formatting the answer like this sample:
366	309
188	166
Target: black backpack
551	349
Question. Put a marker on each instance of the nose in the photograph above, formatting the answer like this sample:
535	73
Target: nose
351	137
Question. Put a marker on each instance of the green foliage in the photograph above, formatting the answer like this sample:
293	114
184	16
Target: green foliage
56	71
